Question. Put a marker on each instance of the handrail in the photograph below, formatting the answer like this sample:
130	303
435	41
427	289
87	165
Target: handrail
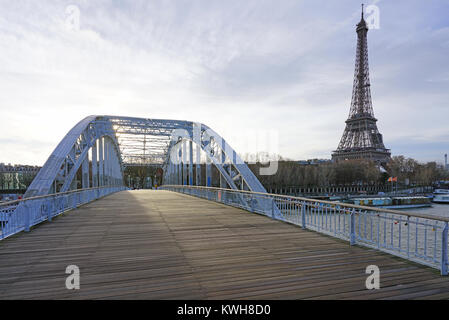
9	203
354	206
21	214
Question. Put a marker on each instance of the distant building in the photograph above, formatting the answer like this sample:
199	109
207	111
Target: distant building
8	168
313	161
16	177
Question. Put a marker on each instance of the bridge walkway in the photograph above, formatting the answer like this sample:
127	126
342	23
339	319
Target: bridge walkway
164	245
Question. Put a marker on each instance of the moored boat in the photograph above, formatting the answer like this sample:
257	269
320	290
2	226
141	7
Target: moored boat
441	196
394	202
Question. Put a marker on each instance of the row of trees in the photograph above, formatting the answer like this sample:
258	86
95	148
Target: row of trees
290	173
408	169
352	172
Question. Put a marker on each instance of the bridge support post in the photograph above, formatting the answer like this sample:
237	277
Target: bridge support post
108	162
184	163
111	166
208	173
303	215
223	183
352	228
197	140
85	172
27	216
105	162
101	162
175	173
444	250
190	163
117	170
94	165
109	157
198	165
168	173
178	165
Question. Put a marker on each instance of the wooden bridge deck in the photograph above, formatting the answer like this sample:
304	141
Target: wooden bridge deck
163	245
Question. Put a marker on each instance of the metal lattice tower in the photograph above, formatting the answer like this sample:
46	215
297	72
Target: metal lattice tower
361	138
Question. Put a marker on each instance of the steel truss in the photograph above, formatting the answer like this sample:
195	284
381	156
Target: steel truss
101	146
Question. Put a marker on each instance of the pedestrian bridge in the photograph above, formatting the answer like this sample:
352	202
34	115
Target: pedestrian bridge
195	238
165	245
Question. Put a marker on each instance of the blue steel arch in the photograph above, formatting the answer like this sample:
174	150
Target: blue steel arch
59	171
106	144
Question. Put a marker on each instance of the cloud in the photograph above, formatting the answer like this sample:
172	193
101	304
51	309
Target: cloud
237	66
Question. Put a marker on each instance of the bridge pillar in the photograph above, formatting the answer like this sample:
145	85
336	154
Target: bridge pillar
106	162
167	174
94	165
184	163
118	171
179	164
179	173
85	172
208	172
111	164
223	183
116	176
100	162
198	164
114	167
172	173
190	163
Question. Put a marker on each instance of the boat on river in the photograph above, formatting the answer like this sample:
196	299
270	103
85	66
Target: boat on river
394	202
441	196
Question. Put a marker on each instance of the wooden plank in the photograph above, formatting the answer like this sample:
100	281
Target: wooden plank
163	245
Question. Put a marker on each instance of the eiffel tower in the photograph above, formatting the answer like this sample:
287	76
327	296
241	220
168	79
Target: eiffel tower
361	138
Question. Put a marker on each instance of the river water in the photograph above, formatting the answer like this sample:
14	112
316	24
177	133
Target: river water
441	210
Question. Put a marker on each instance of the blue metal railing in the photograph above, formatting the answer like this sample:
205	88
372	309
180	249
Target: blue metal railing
416	237
21	215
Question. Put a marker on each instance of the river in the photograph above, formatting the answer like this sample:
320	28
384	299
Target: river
441	210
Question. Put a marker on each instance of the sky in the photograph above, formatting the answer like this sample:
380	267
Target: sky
244	68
